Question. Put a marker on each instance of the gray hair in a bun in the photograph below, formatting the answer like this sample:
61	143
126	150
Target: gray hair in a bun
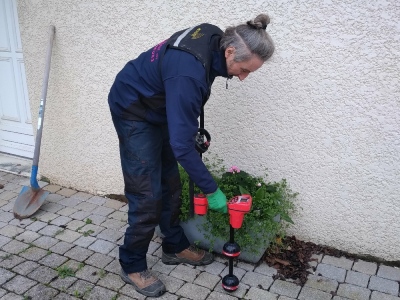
249	39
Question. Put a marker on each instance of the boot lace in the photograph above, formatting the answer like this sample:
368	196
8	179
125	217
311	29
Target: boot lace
146	274
193	248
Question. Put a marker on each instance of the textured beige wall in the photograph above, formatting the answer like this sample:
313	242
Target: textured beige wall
323	113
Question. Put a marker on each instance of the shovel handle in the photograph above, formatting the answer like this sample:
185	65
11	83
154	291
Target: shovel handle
35	161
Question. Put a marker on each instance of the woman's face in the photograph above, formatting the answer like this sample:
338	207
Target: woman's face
241	69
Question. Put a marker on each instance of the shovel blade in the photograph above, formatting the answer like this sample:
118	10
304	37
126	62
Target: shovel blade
28	202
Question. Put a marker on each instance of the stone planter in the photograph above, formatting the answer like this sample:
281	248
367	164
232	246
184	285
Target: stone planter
193	231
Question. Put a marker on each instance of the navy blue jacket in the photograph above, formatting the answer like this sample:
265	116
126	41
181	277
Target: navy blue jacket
181	81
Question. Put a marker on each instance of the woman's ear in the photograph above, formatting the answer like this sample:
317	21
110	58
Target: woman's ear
229	51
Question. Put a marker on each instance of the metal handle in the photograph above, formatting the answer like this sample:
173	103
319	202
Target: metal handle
35	161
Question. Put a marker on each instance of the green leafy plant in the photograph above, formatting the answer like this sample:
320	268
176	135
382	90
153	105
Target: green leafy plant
88	232
45	179
7	256
102	273
272	206
65	271
80	266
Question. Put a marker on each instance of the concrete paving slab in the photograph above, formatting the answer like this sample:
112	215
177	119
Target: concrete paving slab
357	278
42	292
387	272
332	272
308	293
384	285
78	253
53	260
255	279
5	276
322	283
192	291
111	281
99	260
43	274
256	293
285	288
207	280
9	261
353	292
19	284
185	273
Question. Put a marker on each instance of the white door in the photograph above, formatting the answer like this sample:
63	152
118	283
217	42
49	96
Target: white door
16	132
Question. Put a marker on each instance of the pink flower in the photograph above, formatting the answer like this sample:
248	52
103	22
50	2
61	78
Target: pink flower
234	169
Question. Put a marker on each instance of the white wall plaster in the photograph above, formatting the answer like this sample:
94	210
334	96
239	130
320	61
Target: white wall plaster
323	112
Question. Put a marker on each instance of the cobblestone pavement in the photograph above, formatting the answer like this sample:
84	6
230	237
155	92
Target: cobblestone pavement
78	234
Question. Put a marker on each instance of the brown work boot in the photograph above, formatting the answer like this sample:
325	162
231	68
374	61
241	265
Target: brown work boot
145	283
192	256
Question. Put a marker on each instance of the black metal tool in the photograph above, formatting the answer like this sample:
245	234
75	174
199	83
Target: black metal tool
238	206
202	143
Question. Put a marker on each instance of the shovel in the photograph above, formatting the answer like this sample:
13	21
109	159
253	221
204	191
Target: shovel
31	198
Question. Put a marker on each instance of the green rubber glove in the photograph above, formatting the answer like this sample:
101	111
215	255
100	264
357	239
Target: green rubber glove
217	201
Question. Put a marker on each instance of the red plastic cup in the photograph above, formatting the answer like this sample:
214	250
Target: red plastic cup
200	204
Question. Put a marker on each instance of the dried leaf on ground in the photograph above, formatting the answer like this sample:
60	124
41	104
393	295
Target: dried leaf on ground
292	257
